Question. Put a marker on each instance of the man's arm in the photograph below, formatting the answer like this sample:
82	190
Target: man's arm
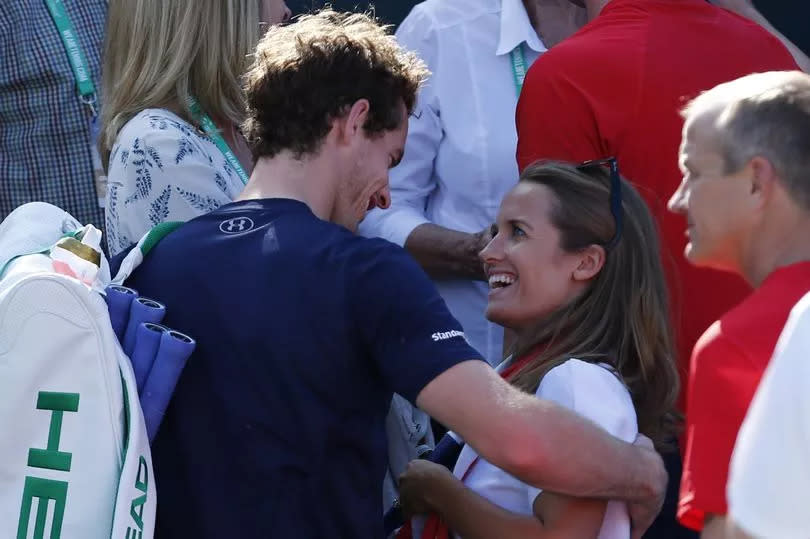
714	527
543	443
448	254
734	532
443	253
747	9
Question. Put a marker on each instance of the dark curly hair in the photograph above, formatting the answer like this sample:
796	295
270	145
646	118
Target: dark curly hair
308	73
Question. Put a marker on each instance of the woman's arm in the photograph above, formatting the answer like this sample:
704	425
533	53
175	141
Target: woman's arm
428	487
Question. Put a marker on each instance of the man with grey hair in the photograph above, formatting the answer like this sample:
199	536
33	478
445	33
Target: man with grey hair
746	196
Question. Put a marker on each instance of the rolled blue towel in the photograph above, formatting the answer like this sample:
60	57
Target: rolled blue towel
142	310
175	349
147	342
119	301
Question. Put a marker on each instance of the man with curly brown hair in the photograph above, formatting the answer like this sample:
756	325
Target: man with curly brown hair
305	330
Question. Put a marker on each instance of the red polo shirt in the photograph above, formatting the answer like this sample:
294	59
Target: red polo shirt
615	89
727	364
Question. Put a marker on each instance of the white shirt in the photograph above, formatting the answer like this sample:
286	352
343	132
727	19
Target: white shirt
162	169
769	481
460	154
594	392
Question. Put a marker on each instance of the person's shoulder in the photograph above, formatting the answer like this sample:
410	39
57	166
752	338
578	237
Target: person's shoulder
717	344
373	252
800	314
376	264
596	376
795	335
763	312
594	390
594	50
155	124
732	344
163	138
445	14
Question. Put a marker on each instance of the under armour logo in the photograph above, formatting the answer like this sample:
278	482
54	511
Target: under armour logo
236	225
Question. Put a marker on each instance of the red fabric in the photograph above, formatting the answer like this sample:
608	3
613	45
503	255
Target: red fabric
616	88
727	364
434	529
520	363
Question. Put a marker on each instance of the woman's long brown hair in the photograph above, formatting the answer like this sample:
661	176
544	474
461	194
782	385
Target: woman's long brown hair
622	318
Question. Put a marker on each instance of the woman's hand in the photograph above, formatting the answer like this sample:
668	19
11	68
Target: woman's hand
420	485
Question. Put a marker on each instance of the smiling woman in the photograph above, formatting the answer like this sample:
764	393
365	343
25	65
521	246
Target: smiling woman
590	314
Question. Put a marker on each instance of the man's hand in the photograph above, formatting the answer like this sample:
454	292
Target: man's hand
644	512
448	254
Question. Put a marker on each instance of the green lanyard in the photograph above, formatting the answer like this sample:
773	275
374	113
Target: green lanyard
76	56
519	67
211	130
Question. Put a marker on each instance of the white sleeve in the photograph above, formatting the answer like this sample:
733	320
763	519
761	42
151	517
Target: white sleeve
593	392
156	175
413	180
769	481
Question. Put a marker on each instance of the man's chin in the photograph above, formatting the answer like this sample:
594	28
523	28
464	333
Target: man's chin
702	259
692	255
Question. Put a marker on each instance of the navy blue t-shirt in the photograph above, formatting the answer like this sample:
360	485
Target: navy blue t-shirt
304	330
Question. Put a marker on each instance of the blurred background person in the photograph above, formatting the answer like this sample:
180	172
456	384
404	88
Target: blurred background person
769	480
746	198
46	136
173	107
573	271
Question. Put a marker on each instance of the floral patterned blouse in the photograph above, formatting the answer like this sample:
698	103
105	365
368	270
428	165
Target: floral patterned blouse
162	169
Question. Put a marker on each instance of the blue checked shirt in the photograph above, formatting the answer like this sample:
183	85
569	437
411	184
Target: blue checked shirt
44	130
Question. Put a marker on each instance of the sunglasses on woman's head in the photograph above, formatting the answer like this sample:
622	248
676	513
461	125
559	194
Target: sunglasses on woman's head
615	193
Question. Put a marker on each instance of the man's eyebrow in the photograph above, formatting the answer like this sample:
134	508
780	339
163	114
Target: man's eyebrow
521	222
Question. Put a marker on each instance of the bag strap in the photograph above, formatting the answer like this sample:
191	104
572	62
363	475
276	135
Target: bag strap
144	246
154	236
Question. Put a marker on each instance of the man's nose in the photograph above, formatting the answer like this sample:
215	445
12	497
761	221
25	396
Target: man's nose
382	198
677	202
492	251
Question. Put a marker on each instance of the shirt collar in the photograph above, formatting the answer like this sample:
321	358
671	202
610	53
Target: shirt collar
517	29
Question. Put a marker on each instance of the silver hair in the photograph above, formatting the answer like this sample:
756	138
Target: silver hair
765	115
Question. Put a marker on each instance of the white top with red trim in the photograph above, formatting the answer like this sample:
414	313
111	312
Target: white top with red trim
591	390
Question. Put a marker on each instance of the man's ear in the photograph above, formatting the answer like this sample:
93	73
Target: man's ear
591	262
763	181
351	124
